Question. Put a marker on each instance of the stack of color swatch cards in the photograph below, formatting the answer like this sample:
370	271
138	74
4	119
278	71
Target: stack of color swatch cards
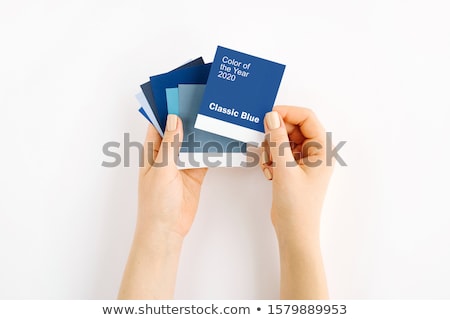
222	105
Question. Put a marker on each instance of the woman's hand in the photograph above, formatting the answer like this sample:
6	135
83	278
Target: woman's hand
168	197
168	200
295	160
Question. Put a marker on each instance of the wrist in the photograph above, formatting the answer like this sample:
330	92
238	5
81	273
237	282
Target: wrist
298	243
295	231
158	241
152	265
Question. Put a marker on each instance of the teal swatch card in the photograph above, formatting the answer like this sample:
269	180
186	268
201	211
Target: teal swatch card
172	100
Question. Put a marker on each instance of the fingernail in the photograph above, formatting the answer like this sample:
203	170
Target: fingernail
265	157
171	124
267	173
273	120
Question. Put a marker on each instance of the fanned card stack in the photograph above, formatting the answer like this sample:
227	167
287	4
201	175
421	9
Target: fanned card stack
222	105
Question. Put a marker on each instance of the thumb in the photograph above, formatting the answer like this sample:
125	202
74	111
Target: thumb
279	144
171	142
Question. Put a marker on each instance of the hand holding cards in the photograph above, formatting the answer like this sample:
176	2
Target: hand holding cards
222	105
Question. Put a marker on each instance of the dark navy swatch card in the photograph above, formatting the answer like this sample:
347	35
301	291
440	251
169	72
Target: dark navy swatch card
192	75
241	89
196	62
148	93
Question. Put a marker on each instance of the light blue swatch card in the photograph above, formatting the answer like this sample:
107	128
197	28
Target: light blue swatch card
148	111
142	111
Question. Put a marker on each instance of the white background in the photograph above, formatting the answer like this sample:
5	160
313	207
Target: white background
377	73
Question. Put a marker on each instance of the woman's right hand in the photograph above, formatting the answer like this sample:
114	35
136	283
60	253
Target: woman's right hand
295	160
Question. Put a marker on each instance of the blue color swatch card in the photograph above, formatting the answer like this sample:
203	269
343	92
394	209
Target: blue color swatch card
240	90
147	112
192	75
172	101
201	148
221	104
149	109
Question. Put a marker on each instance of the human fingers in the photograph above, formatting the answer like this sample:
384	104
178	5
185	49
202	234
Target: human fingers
151	147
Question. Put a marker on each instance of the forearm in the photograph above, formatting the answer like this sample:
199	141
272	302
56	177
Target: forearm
152	266
301	267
